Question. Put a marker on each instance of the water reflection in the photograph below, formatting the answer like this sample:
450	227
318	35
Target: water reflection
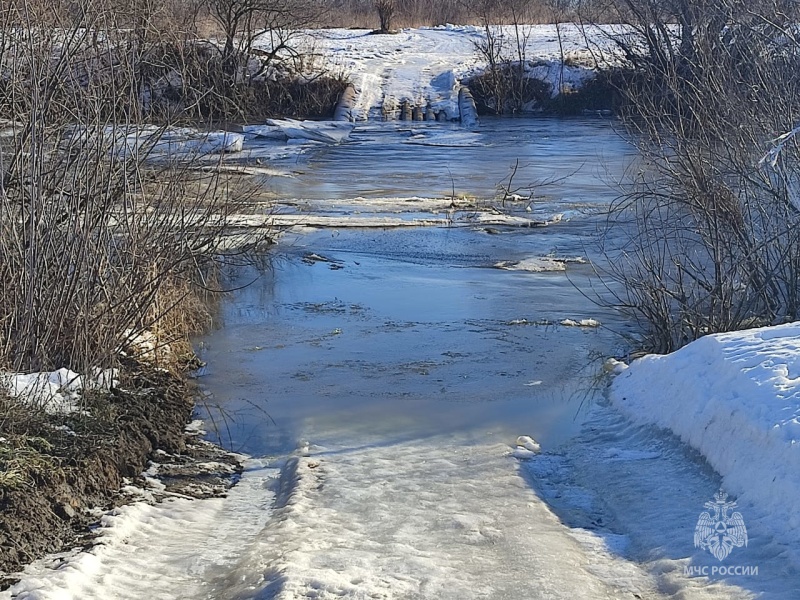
417	334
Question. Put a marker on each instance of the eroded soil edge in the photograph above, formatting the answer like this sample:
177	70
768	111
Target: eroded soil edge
76	464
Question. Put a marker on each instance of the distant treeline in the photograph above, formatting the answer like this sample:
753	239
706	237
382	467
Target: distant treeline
418	13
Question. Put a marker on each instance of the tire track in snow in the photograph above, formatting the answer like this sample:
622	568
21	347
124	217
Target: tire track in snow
433	519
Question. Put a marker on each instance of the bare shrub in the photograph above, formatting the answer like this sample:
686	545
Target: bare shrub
190	83
100	239
504	87
501	90
714	228
508	85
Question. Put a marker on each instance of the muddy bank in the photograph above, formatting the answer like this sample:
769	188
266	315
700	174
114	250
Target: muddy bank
68	467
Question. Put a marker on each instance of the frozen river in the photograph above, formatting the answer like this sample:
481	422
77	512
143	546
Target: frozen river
380	378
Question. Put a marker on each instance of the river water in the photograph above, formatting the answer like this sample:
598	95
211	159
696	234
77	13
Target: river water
414	332
380	392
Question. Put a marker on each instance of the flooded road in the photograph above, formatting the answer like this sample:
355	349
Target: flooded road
416	332
379	379
397	345
389	372
587	156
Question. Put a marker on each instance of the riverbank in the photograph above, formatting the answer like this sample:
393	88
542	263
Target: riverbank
425	68
126	444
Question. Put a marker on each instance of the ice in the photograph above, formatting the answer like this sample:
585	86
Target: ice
527	442
533	265
269	132
444	138
428	518
158	142
328	132
589	323
438	517
522	453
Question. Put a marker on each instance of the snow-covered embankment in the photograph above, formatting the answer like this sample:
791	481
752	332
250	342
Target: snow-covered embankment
734	397
428	67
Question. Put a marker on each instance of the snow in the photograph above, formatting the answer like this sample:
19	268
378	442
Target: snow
195	540
735	398
56	392
641	491
427	66
145	345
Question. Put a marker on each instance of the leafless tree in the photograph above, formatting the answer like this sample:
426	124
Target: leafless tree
269	26
100	239
386	12
714	242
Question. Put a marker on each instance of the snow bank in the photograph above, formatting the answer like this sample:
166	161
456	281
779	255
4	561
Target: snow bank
56	392
735	397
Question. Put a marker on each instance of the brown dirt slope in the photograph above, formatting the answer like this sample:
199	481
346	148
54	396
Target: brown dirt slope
54	468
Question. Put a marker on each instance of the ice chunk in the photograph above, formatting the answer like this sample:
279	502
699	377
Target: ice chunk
528	443
327	132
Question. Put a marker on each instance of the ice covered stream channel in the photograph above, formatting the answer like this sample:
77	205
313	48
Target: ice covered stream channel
381	393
